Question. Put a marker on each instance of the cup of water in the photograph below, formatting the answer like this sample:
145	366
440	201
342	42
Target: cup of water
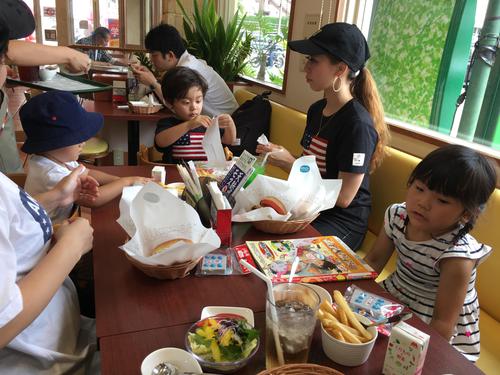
290	324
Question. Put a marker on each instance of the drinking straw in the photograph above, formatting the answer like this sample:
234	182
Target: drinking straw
293	269
267	280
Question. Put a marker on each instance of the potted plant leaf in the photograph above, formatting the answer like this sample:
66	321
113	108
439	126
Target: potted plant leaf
224	48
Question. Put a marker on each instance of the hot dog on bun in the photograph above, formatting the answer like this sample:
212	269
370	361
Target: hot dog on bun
274	203
168	244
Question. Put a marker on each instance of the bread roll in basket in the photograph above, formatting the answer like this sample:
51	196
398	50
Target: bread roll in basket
170	272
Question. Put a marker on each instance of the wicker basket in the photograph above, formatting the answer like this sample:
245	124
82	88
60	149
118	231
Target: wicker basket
283	227
174	271
143	110
301	369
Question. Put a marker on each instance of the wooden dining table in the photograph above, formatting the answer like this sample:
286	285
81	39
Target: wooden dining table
136	314
111	111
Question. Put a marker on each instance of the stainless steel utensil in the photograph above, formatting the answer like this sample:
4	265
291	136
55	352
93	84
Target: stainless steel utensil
166	368
393	319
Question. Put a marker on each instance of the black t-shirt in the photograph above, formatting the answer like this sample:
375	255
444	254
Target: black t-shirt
343	142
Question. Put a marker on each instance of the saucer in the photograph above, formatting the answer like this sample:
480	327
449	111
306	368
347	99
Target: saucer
181	359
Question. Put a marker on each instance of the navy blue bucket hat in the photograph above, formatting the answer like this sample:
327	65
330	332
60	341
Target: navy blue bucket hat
55	120
341	40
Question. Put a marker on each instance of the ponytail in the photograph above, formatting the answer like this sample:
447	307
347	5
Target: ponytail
364	89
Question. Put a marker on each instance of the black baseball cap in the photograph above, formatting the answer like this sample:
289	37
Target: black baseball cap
17	17
343	41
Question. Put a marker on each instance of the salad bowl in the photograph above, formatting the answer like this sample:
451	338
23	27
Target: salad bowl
224	342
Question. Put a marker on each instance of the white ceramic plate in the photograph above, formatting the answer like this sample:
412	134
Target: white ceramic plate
178	357
242	311
323	293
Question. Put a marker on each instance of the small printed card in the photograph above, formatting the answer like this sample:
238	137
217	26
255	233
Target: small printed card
238	174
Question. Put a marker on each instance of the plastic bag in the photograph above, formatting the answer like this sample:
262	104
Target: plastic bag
222	261
372	306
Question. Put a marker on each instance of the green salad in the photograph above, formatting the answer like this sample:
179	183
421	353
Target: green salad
223	338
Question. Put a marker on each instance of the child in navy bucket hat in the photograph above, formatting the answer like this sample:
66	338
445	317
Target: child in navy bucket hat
56	128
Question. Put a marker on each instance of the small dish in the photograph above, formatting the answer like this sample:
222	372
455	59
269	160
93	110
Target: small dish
47	74
322	292
178	357
241	311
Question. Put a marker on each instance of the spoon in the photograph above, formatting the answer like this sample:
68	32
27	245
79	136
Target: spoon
393	319
166	368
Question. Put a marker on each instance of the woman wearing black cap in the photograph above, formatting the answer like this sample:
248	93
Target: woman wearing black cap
345	130
41	330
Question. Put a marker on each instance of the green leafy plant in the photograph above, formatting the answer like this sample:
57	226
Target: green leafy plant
224	48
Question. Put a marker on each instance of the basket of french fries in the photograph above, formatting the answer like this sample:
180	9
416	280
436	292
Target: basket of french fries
343	334
302	369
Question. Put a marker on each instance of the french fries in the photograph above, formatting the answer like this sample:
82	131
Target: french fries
340	322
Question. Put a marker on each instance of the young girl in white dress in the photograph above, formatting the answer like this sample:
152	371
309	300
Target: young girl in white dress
437	257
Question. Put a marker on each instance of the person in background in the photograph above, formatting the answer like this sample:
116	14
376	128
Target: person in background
437	257
41	330
180	137
56	128
17	15
345	131
100	37
167	51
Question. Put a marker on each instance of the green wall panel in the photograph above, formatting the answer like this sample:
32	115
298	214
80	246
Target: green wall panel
406	44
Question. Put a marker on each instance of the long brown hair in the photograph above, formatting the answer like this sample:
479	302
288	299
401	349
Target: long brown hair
364	89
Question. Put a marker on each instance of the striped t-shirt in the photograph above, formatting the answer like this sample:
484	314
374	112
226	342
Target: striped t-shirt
416	279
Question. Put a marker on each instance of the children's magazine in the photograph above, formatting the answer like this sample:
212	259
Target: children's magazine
321	259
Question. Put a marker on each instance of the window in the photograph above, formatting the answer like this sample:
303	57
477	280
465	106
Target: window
268	22
44	12
419	64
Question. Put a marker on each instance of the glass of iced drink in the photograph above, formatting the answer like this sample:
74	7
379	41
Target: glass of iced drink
290	324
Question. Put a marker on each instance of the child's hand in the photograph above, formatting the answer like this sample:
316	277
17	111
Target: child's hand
225	121
136	180
78	233
77	186
198	121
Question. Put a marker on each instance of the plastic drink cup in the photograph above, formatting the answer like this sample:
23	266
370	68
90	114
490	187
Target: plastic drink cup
258	169
294	320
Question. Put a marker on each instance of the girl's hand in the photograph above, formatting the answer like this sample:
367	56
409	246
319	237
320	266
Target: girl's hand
200	120
77	233
225	121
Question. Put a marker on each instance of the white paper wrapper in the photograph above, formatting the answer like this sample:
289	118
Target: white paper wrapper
212	145
262	140
304	194
156	216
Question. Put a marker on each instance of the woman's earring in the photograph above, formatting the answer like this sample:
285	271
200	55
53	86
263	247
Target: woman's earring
335	82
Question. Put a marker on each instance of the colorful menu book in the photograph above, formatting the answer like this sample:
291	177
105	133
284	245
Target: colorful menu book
321	259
